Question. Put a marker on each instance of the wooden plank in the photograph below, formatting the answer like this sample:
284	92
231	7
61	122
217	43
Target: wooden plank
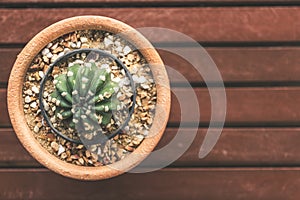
236	65
214	184
225	24
245	106
236	147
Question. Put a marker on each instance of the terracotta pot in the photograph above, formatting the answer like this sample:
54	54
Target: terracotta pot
15	101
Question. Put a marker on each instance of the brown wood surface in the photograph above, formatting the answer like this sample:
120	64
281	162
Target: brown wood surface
224	24
238	65
199	183
273	147
245	106
255	48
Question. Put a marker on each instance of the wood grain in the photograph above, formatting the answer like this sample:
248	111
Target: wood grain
222	24
245	106
236	147
236	65
198	183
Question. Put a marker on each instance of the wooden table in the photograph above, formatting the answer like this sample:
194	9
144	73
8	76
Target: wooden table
256	46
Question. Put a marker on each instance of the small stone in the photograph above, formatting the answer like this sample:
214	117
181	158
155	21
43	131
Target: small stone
61	150
80	146
64	155
50	137
45	59
34	67
54	46
54	146
119	49
83	39
61	54
28	92
36	129
129	148
33	105
46	94
78	44
73	45
88	154
130	57
56	70
94	157
35	89
41	74
45	52
66	50
126	50
46	106
49	55
74	157
54	57
85	46
49	45
81	161
107	42
27	99
57	50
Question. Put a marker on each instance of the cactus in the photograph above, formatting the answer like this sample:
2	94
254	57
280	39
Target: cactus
85	96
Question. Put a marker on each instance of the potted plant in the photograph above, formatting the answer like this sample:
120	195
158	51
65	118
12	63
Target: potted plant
88	97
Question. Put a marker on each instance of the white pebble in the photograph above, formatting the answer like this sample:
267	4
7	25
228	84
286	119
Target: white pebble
54	46
117	43
135	78
83	39
78	45
61	54
27	99
41	74
46	94
115	79
35	89
46	106
45	52
66	50
49	55
33	105
126	50
114	67
61	149
119	49
49	45
36	129
73	45
107	42
52	119
28	92
54	57
142	79
104	66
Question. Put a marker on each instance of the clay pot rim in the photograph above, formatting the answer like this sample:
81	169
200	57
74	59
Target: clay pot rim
15	100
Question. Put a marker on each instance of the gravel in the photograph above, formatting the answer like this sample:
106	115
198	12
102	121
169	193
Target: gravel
138	127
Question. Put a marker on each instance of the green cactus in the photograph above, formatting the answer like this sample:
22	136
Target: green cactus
85	96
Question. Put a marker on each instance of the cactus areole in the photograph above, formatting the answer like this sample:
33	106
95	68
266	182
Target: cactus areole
85	98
